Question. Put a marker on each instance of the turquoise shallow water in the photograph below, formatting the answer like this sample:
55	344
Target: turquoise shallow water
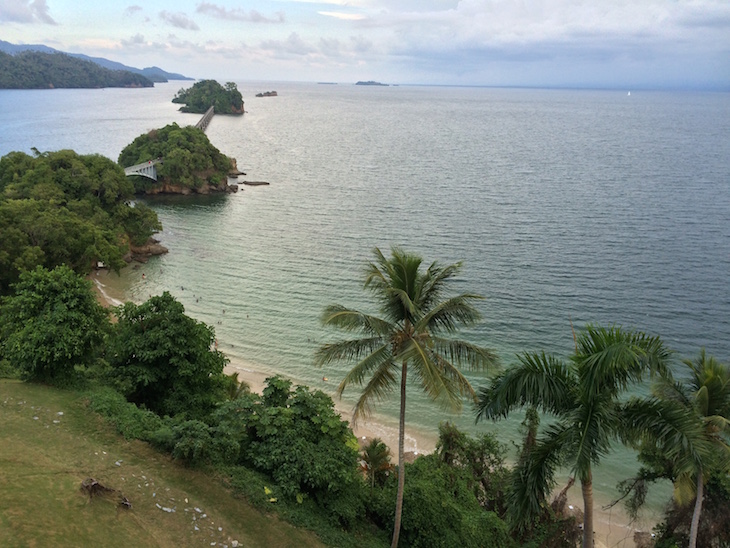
582	206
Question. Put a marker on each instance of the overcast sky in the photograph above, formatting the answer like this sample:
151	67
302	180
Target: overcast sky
583	43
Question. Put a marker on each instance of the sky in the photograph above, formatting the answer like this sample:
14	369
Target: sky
626	44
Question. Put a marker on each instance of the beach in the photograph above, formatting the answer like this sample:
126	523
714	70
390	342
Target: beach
612	527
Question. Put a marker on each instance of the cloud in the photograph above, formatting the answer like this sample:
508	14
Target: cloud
25	11
179	20
343	16
293	45
131	10
238	14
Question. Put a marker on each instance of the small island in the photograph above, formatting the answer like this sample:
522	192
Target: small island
198	98
185	161
370	83
267	94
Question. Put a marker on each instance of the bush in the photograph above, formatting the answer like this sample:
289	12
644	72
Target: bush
130	421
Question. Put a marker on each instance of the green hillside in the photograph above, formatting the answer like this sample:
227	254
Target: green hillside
50	442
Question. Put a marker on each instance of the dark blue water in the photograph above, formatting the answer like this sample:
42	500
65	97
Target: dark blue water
582	206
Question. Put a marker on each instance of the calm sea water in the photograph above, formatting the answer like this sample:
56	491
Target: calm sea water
582	206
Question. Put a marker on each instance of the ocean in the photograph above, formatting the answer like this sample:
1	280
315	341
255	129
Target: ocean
565	206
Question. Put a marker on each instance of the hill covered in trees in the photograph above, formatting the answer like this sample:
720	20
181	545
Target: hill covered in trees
37	70
199	98
190	163
156	74
64	208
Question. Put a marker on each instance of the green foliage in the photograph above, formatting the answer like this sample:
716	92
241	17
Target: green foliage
585	395
189	158
375	458
162	359
483	460
51	324
439	508
195	443
130	421
206	93
37	70
65	208
296	436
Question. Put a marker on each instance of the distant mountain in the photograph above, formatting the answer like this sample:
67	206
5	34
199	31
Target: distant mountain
41	70
156	74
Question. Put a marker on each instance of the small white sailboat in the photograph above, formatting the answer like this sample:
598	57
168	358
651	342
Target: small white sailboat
629	94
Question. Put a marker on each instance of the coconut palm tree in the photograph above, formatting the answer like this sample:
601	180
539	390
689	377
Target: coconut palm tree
375	458
410	336
688	421
583	394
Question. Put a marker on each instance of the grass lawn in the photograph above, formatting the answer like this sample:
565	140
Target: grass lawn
50	442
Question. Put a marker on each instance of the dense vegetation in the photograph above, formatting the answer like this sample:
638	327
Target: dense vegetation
156	375
189	159
62	208
37	70
206	93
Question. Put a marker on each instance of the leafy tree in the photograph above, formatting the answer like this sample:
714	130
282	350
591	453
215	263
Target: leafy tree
51	324
189	158
584	395
685	430
206	93
483	460
410	335
65	208
440	509
162	358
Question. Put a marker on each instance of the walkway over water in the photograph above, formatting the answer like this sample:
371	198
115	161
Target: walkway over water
205	120
147	169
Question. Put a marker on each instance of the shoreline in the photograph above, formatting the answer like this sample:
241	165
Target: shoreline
612	527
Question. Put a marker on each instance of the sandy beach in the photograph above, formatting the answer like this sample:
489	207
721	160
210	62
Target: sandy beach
612	527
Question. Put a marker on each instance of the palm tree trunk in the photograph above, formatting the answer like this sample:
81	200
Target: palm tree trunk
587	487
698	509
401	458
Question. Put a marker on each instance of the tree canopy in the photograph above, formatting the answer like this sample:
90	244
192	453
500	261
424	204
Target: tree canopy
38	70
65	208
163	359
51	324
189	159
206	93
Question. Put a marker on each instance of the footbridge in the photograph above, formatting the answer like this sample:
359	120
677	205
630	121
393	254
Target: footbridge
147	169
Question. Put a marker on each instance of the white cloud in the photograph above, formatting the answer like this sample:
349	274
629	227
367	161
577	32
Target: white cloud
179	20
238	14
25	11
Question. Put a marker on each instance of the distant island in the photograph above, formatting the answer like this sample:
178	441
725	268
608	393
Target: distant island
156	74
370	83
37	70
199	98
188	162
267	94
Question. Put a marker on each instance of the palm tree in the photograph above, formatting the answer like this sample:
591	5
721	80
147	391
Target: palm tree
689	423
583	395
376	460
408	337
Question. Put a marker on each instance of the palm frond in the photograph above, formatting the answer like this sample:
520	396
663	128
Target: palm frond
433	283
609	359
465	354
450	314
353	320
534	478
596	424
538	379
347	350
382	382
379	357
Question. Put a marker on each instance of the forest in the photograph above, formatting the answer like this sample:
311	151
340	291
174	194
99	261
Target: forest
189	159
206	93
38	70
157	375
62	208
